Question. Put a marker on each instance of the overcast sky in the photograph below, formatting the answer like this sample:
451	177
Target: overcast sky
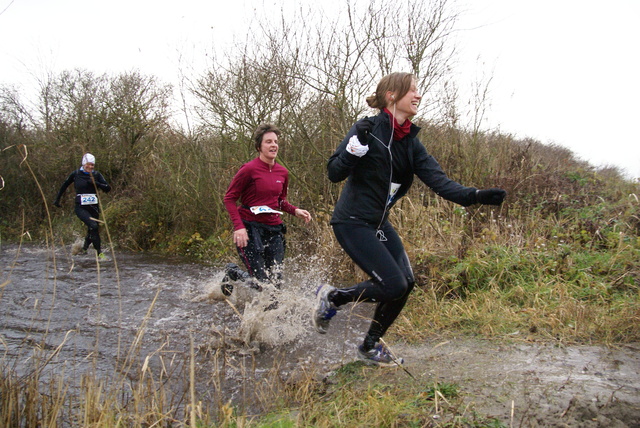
563	71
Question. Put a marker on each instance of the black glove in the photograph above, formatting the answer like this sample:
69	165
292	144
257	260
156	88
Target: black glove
490	196
363	129
57	203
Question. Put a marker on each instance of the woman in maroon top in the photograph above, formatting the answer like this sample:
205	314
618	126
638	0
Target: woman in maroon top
260	187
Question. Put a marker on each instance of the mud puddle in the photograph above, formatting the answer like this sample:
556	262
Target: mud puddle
160	312
536	384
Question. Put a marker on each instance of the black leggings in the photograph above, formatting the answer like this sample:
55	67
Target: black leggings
86	213
264	253
387	264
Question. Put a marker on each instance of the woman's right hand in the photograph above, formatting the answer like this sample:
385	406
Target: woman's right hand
240	238
363	129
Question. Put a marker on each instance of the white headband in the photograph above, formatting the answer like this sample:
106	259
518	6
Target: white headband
88	158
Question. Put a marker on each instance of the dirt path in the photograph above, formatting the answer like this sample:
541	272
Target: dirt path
532	384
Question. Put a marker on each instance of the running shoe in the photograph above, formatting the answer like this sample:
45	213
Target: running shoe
229	274
226	286
324	310
232	271
380	355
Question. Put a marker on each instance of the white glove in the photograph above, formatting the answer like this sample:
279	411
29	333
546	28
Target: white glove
356	148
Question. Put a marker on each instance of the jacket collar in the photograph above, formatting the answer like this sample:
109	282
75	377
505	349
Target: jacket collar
384	117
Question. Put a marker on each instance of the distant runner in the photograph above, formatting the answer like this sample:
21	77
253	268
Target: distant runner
87	182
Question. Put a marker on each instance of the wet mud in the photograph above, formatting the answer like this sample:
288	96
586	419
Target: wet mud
537	384
140	316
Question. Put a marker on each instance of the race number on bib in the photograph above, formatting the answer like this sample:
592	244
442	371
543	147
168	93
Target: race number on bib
263	209
89	199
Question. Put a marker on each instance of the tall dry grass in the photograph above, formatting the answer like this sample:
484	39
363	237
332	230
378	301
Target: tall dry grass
558	261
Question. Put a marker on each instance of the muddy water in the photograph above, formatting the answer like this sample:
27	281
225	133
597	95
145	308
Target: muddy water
140	320
139	315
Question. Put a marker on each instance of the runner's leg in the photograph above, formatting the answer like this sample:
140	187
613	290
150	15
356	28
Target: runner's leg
387	312
252	257
388	280
87	213
274	248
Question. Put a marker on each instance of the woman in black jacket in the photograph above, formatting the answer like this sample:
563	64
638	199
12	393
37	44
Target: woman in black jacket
86	182
379	158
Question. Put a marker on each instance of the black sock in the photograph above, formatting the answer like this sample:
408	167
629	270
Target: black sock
369	343
340	296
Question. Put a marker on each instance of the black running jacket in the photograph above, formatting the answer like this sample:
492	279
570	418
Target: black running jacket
366	194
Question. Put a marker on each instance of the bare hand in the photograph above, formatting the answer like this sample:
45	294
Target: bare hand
304	214
240	238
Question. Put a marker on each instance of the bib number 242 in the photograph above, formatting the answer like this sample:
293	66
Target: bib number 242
88	199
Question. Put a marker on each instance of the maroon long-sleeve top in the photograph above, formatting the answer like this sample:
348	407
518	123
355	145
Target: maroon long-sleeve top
258	184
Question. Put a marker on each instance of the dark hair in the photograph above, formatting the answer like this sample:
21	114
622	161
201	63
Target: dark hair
399	82
261	130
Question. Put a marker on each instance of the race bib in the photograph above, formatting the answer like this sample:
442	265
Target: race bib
89	199
263	209
392	191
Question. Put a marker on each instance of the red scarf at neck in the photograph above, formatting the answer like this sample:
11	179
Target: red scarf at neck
399	131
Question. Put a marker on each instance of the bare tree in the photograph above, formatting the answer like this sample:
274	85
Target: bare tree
137	108
14	111
137	105
337	61
73	105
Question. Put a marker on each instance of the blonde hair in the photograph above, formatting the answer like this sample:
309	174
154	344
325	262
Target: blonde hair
398	82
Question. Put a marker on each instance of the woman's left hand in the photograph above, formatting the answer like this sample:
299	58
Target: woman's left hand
303	214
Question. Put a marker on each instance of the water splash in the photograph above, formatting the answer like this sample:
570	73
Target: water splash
273	316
